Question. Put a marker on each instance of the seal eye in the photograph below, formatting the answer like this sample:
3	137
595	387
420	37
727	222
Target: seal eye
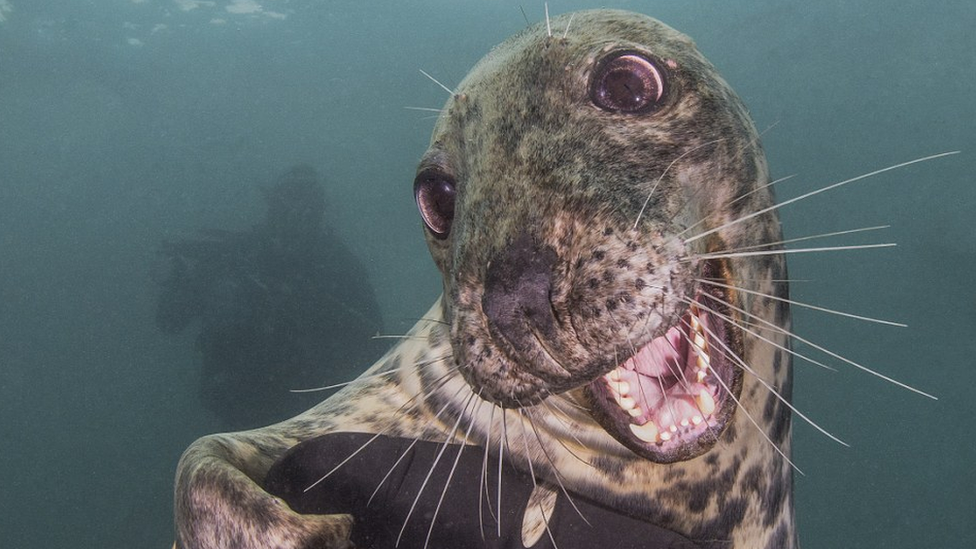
627	82
434	191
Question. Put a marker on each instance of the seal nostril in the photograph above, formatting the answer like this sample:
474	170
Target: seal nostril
517	294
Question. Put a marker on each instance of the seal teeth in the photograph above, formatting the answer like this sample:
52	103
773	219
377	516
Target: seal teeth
647	432
700	343
621	388
705	402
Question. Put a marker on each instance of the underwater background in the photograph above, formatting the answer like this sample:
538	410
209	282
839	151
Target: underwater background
124	122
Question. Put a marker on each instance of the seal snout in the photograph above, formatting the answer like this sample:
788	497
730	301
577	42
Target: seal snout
516	299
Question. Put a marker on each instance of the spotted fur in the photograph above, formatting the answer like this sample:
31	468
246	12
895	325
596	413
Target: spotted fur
610	201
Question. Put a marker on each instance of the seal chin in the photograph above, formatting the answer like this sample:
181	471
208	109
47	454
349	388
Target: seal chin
672	399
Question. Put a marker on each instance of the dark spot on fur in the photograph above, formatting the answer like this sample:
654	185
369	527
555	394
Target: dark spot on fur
608	231
632	246
622	264
720	528
640	284
781	537
593	283
774	499
599	255
674	474
607	276
612	468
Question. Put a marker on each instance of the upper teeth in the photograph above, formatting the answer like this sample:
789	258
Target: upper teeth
684	411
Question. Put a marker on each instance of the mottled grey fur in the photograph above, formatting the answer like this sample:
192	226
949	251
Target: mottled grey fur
536	162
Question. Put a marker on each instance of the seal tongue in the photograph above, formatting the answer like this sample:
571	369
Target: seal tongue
665	397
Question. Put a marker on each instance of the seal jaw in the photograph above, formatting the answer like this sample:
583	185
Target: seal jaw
672	399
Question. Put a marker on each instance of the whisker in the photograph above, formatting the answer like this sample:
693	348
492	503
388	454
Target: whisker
548	27
724	255
433	520
527	24
425	109
804	305
440	383
344	383
566	32
437	459
832	354
484	494
566	423
502	443
742	326
400	337
555	470
740	197
535	485
729	353
816	192
811	237
728	391
661	177
448	90
373	376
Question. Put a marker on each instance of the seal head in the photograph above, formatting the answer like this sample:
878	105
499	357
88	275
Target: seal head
563	181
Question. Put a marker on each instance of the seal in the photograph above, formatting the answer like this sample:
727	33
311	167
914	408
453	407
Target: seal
586	195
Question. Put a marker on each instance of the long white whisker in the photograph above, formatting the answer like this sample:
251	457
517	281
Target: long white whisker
434	80
423	485
412	444
372	376
661	177
416	402
484	493
728	391
724	255
477	402
731	354
425	109
566	32
741	197
811	237
818	191
833	354
756	334
535	485
555	471
565	423
548	27
502	442
805	305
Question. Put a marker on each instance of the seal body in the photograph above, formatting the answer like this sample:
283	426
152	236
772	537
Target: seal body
585	195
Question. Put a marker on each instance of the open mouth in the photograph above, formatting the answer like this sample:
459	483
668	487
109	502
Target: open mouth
672	399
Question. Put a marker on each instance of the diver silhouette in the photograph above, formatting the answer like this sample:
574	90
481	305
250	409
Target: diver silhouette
283	306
